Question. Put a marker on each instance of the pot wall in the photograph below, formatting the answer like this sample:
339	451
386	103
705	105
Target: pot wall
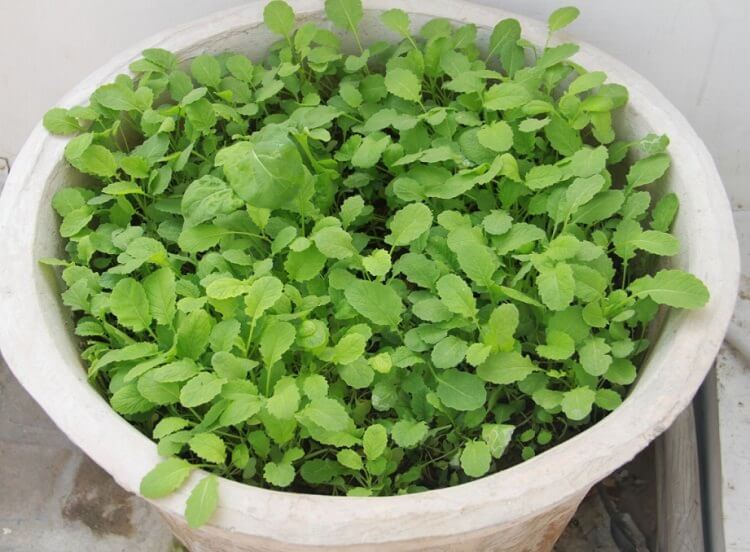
523	508
535	534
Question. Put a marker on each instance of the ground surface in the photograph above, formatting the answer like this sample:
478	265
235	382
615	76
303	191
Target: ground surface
54	499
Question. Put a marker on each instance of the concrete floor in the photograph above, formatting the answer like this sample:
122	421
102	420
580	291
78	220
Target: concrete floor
54	499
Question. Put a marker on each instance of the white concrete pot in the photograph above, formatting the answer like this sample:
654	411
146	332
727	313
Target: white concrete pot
524	508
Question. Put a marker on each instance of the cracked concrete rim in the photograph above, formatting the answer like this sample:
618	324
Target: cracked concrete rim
41	351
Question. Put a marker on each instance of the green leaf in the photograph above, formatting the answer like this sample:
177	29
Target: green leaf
562	17
327	413
542	176
179	370
206	198
431	310
497	437
520	234
648	170
96	160
165	478
418	269
607	399
280	474
75	221
160	290
504	43
209	447
374	441
59	121
478	262
127	400
116	96
658	243
285	400
345	14
261	296
564	138
350	459
351	347
268	173
449	352
226	288
476	458
130	304
169	425
497	223
193	333
408	433
588	161
241	409
276	339
461	390
557	54
201	389
377	302
587	81
457	296
497	136
201	115
378	263
206	70
279	17
351	208
505	368
200	238
334	242
404	84
594	356
501	326
664	212
556	286
202	502
577	403
581	191
559	346
674	288
396	20
505	96
369	152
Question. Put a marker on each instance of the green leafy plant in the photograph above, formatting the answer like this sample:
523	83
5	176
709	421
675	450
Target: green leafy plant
365	273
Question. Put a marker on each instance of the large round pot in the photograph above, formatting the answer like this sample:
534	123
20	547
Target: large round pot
524	508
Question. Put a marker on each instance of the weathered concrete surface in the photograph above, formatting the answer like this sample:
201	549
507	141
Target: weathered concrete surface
53	498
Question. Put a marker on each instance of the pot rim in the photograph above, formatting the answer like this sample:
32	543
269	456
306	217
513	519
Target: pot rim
35	355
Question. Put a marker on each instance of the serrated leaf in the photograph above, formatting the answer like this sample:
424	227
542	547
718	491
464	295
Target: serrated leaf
165	478
672	287
209	447
375	301
404	84
408	433
409	223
